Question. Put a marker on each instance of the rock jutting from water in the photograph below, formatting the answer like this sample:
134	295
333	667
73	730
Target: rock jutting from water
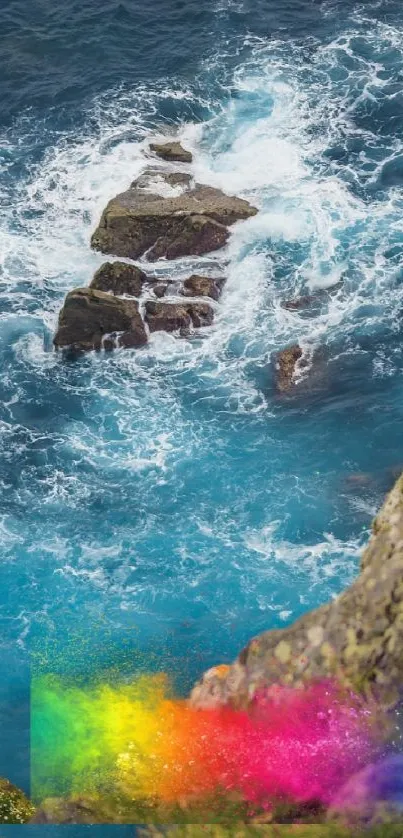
357	638
88	317
142	223
203	286
172	317
172	151
162	215
120	278
285	364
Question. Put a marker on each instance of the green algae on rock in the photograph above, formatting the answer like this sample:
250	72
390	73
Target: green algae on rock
357	638
15	808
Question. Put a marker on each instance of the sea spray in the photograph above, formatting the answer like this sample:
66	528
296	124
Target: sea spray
138	740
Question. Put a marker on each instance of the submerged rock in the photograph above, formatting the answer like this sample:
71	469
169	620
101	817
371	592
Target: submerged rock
171	317
203	286
357	638
301	303
89	315
172	151
15	808
139	222
119	278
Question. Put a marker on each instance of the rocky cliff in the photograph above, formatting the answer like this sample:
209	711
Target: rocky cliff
357	638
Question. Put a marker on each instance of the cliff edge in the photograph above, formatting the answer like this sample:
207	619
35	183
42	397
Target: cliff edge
357	638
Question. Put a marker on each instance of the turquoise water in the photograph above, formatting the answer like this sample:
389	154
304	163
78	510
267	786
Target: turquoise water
159	507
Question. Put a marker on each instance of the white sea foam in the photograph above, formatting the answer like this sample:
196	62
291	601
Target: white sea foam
312	224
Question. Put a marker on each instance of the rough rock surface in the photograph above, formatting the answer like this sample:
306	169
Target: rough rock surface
150	178
172	151
88	315
119	278
15	808
194	236
203	286
160	289
285	363
139	222
357	638
171	317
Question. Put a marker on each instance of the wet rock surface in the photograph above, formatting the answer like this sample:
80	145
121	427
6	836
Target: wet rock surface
172	317
152	177
203	286
285	363
172	151
139	222
119	278
88	315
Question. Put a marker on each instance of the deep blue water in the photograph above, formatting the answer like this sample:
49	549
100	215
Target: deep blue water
160	507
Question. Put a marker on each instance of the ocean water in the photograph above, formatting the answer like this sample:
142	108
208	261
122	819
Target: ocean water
159	507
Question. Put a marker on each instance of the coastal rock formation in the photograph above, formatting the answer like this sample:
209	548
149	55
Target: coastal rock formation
203	286
285	362
301	303
171	317
195	235
15	808
119	278
357	638
172	151
89	315
160	289
139	222
152	177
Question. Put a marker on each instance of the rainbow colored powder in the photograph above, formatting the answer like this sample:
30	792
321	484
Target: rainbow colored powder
140	740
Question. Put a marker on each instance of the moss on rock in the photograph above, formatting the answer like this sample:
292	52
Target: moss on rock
15	808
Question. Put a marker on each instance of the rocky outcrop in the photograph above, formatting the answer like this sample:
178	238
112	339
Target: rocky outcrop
15	808
172	317
152	177
285	363
357	638
160	289
203	286
119	278
301	374
172	152
194	236
139	222
88	316
301	303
